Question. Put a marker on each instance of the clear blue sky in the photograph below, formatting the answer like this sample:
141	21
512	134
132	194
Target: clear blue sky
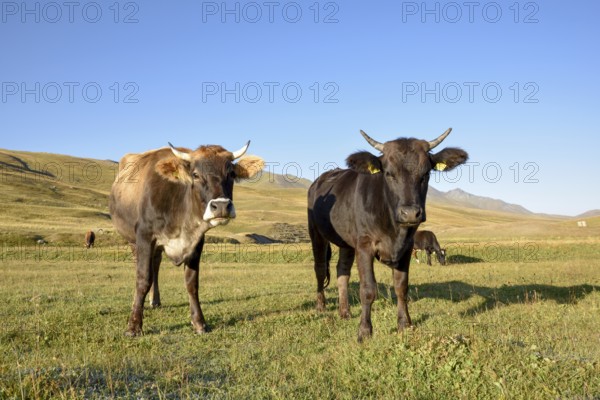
386	67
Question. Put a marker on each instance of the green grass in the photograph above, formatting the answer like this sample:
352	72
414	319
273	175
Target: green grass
501	329
514	316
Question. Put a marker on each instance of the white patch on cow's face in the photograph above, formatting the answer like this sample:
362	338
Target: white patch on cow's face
216	220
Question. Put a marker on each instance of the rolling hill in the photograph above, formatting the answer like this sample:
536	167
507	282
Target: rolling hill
58	198
461	198
589	214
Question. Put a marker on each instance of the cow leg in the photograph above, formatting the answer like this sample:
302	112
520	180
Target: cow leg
401	289
428	257
155	301
192	271
143	256
344	266
368	290
322	254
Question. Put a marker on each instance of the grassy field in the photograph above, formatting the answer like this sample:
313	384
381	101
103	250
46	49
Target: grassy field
515	315
487	329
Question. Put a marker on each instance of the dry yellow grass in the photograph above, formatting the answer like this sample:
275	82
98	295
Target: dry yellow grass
60	197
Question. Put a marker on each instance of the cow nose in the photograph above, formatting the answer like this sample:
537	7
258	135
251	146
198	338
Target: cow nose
221	208
410	215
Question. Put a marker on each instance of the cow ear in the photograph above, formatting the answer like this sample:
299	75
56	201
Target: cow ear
174	170
248	167
364	162
449	158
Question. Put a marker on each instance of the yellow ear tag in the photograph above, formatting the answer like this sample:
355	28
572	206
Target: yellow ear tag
440	166
373	169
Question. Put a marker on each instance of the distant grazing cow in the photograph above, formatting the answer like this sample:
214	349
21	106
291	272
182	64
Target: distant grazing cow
426	240
167	199
90	238
373	210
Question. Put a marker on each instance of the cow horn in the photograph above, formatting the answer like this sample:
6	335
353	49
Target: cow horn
440	139
241	152
180	154
372	142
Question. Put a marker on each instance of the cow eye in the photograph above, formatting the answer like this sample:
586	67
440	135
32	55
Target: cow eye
195	175
231	171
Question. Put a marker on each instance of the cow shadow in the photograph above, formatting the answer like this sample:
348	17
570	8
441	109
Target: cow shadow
462	259
457	292
492	297
451	259
218	322
453	291
385	292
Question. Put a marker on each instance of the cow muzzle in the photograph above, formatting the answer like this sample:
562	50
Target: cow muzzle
409	215
219	212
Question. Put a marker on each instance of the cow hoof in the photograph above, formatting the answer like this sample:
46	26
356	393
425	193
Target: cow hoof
133	333
201	329
405	326
155	304
364	333
345	315
320	302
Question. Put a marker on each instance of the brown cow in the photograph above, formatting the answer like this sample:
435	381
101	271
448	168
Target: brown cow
373	210
166	200
90	237
426	240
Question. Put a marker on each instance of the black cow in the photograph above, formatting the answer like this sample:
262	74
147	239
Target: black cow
167	199
372	210
426	240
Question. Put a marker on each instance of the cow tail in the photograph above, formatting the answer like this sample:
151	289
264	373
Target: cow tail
328	276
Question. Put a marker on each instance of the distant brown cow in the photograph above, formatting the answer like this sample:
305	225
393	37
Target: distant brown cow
90	237
426	240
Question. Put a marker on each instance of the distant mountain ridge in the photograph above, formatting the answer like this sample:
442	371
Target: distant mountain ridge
589	214
275	180
455	197
461	198
15	164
